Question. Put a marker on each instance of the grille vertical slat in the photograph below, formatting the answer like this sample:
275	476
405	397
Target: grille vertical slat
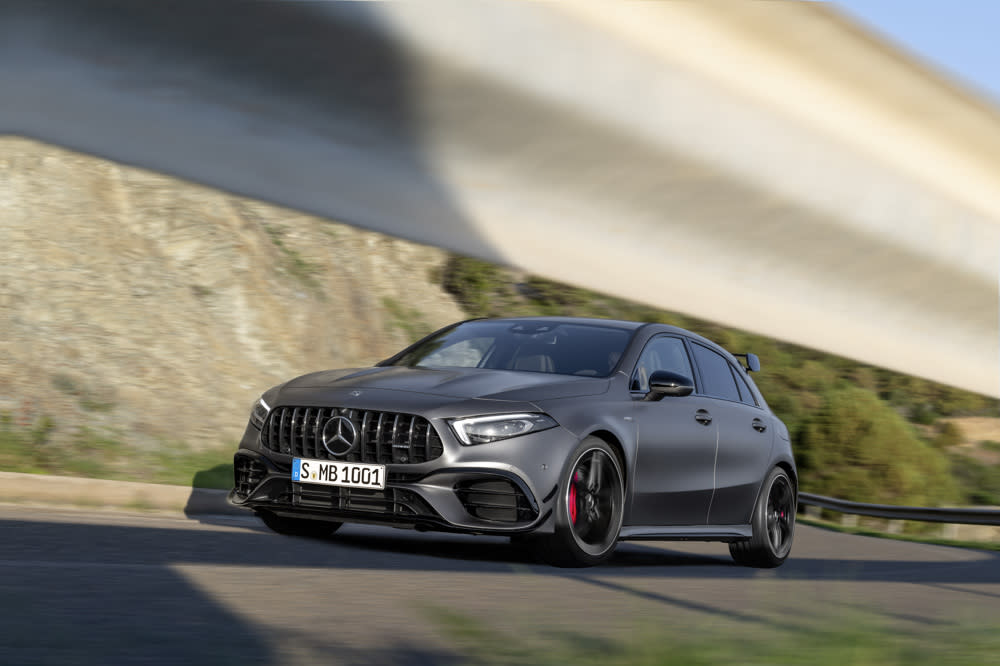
273	432
282	437
367	452
378	439
308	431
324	415
310	421
296	430
394	445
384	437
410	456
357	455
318	442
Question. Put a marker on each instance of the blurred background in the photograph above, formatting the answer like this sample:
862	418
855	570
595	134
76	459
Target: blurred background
201	200
751	177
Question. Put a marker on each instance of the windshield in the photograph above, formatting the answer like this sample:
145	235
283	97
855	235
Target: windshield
586	350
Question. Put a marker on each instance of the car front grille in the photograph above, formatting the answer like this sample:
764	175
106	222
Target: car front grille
495	499
382	437
391	502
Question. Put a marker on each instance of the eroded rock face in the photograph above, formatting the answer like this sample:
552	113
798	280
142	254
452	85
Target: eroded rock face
159	309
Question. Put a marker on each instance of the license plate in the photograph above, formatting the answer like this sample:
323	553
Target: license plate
332	473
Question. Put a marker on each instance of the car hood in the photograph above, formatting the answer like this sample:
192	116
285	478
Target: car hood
460	383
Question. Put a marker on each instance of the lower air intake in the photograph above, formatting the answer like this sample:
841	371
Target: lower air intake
495	499
248	473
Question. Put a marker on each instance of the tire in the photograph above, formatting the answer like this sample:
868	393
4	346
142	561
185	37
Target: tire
589	509
773	524
298	526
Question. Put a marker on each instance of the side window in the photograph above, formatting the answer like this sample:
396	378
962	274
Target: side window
746	395
661	353
715	374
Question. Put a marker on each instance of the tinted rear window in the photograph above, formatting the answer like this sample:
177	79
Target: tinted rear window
746	395
717	378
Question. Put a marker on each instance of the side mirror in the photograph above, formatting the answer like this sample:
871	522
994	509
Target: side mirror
664	383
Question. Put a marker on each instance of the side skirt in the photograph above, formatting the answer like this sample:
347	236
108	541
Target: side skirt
686	533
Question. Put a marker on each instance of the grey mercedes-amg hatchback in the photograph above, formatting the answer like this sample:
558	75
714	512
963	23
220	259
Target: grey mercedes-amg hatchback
571	433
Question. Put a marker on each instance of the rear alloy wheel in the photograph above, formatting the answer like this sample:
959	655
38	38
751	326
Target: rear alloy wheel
589	509
773	524
298	526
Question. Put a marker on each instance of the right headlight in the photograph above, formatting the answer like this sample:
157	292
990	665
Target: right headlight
486	429
259	414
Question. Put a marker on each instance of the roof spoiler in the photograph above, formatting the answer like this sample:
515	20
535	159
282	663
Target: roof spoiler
751	362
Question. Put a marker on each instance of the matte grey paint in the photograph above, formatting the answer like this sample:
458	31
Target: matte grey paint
684	478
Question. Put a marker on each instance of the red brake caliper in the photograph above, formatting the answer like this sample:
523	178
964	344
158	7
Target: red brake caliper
577	476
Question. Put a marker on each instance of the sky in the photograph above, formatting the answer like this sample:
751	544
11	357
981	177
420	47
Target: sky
959	37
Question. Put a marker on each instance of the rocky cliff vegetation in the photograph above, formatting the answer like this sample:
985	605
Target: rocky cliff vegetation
155	311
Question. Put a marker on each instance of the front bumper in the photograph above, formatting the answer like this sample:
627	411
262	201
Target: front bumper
505	487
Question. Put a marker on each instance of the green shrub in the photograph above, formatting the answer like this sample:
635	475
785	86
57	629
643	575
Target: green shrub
948	435
978	483
476	285
857	447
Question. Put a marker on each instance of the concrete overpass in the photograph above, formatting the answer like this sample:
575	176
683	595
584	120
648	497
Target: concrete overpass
769	166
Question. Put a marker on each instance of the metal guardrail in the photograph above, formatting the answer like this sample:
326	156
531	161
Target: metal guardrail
962	516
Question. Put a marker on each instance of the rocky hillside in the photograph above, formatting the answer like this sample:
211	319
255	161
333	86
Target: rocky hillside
157	310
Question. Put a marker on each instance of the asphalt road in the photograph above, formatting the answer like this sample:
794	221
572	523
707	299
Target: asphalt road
119	588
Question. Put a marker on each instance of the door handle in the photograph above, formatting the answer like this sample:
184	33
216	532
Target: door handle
758	425
703	417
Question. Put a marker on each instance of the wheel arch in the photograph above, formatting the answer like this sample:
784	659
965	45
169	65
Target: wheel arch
612	440
790	471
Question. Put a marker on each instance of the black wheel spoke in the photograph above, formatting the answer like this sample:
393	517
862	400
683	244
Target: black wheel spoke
594	477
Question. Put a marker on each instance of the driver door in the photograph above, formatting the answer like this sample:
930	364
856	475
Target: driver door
675	460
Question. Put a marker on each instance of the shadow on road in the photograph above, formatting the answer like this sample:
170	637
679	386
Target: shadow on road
113	593
482	553
366	547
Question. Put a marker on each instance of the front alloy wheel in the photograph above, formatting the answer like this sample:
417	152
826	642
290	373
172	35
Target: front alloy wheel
590	508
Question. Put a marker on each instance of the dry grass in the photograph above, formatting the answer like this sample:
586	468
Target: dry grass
975	431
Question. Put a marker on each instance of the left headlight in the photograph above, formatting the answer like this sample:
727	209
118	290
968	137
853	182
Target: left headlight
259	414
486	429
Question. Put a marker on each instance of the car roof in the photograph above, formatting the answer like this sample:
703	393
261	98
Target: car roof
617	323
592	321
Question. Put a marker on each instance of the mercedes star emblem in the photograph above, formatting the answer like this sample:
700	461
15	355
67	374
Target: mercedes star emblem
339	435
